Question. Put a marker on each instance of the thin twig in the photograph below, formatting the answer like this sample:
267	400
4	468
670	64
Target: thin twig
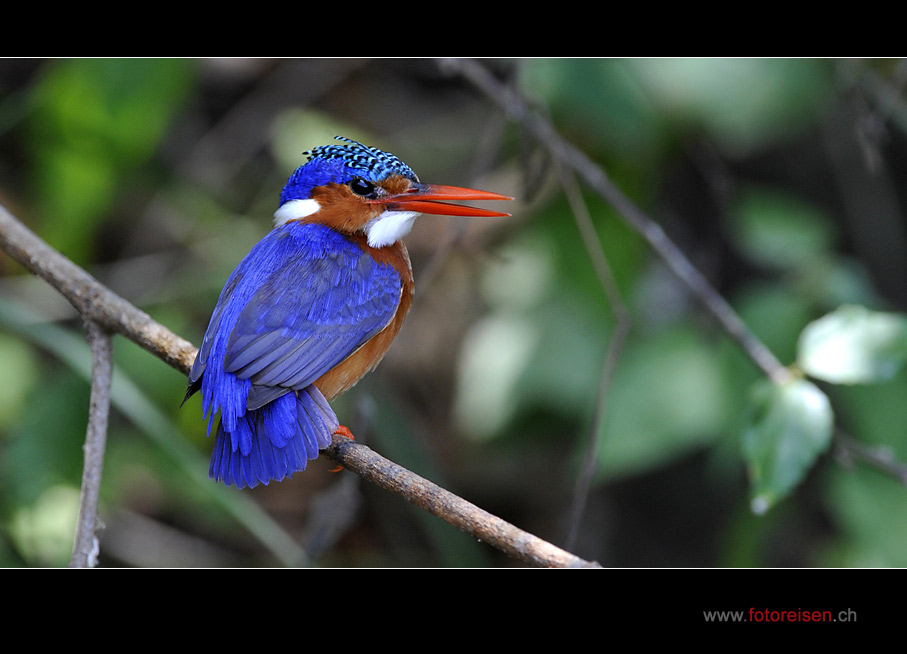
518	109
100	306
615	347
848	450
85	547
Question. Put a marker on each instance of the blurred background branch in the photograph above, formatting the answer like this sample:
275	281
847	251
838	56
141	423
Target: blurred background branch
622	327
518	109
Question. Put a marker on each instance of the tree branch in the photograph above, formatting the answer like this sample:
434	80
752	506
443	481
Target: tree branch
103	309
451	508
85	548
94	301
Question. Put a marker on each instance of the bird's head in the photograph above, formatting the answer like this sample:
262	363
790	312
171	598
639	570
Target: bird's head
354	188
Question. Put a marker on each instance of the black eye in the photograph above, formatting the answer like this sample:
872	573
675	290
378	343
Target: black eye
362	187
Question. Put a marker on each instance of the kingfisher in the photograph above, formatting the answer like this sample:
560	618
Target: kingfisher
312	308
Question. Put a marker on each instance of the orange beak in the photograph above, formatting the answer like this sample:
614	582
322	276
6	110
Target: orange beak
427	198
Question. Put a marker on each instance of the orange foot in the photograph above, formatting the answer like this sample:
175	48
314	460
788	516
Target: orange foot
346	433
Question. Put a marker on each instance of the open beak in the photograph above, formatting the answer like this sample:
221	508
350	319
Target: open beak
428	198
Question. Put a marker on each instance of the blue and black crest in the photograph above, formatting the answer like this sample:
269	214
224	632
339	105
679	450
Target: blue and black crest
339	164
375	163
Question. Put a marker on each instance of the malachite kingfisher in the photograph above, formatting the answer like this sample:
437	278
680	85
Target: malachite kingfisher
312	308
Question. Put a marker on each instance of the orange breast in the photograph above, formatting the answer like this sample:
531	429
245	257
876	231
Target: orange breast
348	372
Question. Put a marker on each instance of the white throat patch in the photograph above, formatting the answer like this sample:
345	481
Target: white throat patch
295	210
389	227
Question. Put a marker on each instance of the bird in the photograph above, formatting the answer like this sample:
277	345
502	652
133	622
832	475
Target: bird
312	308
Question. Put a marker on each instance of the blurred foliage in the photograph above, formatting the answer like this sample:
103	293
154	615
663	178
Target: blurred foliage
91	123
777	177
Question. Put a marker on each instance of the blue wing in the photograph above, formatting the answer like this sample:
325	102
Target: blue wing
302	300
312	313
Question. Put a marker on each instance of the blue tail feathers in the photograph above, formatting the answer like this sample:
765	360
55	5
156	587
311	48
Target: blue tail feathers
275	441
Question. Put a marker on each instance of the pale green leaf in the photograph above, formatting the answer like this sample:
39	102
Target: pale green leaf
853	345
788	426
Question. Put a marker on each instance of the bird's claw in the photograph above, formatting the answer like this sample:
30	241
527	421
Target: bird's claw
346	433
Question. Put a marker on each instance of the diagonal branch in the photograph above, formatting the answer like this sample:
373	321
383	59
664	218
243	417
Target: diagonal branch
451	508
103	309
94	302
516	107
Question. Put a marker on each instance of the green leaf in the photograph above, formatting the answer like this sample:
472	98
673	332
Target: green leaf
787	427
853	345
778	230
